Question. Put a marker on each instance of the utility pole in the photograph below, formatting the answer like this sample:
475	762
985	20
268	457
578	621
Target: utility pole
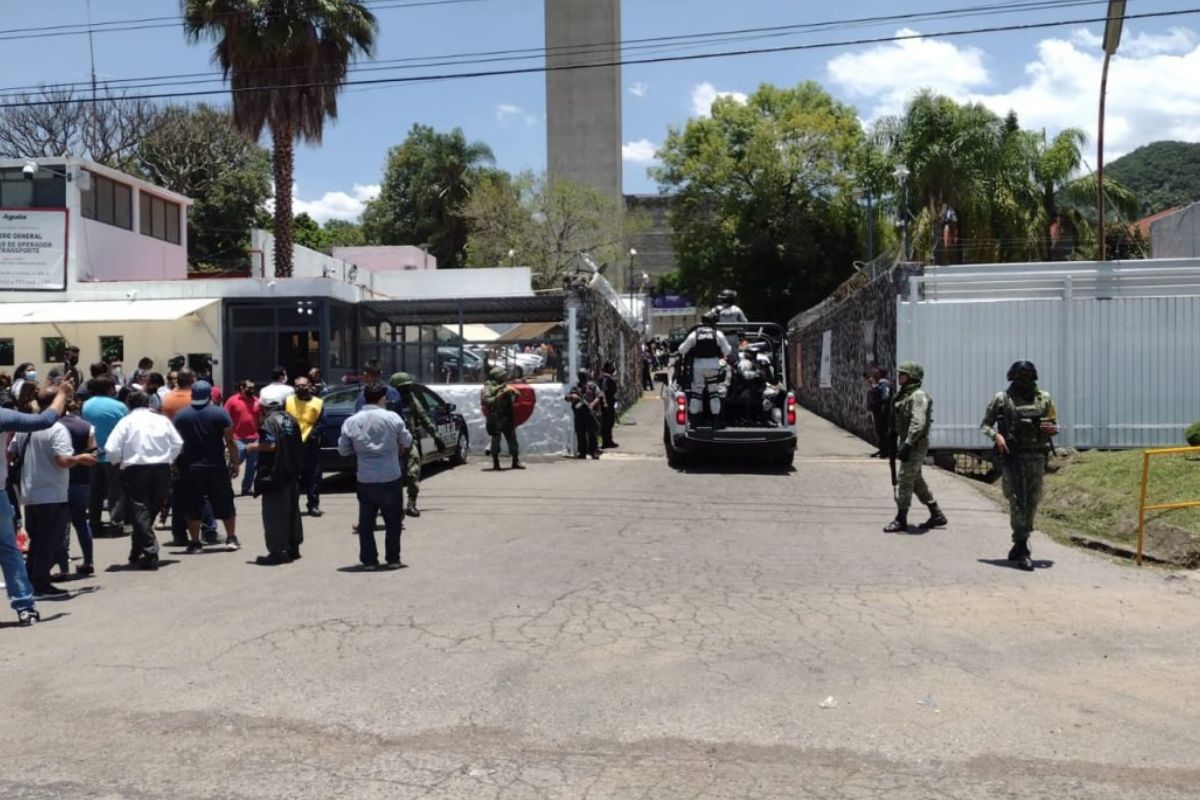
1112	40
92	57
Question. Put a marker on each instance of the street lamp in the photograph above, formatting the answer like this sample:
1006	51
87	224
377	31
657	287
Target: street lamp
1112	40
859	194
901	174
629	283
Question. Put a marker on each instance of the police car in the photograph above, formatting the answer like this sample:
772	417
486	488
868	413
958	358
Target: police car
731	402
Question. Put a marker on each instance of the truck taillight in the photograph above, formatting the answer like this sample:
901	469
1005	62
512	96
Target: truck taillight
791	409
680	409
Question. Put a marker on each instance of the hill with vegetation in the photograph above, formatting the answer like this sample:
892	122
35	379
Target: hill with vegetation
1163	174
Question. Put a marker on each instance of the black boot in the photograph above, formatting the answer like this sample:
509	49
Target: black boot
411	509
899	524
495	462
516	463
936	518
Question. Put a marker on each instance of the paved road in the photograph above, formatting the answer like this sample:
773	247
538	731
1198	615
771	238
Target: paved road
616	629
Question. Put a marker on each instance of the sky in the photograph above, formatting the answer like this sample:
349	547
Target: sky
1050	76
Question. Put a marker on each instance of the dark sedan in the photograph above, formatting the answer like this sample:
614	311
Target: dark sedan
339	405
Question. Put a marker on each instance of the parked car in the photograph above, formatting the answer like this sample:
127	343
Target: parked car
339	405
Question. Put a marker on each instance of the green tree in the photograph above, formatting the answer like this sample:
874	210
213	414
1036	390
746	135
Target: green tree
763	198
428	180
197	152
286	61
1162	174
323	238
529	221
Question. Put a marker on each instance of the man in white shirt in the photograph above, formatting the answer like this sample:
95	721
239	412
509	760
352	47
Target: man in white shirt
46	458
277	390
143	445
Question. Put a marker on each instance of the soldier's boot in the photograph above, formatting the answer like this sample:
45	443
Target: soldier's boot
936	518
899	524
516	463
495	462
411	509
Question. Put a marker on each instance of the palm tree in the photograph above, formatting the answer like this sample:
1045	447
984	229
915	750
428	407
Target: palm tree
286	60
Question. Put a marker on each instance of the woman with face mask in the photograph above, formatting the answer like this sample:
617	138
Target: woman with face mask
23	372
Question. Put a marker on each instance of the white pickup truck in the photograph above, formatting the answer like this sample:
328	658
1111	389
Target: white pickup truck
745	413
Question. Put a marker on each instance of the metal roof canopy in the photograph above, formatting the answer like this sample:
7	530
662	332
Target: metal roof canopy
540	308
77	311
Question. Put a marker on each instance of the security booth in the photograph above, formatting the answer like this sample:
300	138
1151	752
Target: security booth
297	333
457	340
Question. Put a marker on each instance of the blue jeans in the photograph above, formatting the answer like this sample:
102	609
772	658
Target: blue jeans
249	462
388	499
16	579
77	501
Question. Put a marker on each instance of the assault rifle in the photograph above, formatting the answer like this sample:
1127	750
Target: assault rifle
892	443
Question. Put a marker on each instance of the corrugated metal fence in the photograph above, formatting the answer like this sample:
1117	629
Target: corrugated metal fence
1117	345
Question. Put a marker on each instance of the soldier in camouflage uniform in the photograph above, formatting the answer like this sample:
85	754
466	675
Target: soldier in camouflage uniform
418	420
1021	422
912	418
497	401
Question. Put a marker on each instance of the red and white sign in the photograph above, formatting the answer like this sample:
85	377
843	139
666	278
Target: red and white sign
33	249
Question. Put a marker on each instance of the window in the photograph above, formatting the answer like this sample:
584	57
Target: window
108	201
160	219
46	190
53	349
7	351
112	348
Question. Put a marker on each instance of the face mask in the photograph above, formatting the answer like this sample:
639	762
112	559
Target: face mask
304	394
1023	386
31	376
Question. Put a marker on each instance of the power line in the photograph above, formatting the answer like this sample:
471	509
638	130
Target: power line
635	61
645	44
144	23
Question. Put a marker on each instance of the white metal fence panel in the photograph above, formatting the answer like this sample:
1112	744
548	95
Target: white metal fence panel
1123	372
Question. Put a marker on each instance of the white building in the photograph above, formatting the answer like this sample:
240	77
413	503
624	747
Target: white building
96	258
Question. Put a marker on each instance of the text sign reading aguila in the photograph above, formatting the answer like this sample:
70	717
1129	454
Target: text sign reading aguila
33	249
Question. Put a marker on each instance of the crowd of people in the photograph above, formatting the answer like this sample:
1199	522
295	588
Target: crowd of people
111	455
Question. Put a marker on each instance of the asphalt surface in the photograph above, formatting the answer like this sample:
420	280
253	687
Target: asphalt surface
618	629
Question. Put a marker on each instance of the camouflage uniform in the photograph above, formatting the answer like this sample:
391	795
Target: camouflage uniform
497	400
912	419
1018	413
418	420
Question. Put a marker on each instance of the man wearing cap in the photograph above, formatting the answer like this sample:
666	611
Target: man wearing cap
207	433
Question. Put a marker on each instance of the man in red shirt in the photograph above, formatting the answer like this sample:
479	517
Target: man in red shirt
243	410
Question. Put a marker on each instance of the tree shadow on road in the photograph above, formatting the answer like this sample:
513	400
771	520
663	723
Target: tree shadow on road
1004	562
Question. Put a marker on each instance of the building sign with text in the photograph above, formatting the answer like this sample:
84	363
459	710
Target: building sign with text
33	249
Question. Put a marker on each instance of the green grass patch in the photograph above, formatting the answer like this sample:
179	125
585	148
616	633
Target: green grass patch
1096	493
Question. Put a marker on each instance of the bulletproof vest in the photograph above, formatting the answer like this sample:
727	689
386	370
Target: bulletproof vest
1023	418
706	344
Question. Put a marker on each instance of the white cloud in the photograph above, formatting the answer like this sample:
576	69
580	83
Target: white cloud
1152	90
505	111
336	205
639	89
891	73
703	95
639	152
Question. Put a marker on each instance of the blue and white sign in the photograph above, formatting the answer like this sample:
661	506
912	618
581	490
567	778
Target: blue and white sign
33	249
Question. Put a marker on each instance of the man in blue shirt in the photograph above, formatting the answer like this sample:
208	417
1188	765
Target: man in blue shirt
16	579
372	373
207	433
377	438
104	411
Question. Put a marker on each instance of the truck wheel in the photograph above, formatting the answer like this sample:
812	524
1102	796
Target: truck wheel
675	459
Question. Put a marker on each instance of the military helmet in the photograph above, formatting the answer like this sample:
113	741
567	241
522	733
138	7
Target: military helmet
913	370
709	318
1025	368
401	379
727	296
499	374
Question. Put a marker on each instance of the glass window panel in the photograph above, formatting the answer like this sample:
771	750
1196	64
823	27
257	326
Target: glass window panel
251	355
144	213
172	223
123	206
104	199
7	351
49	192
158	218
253	317
17	195
52	349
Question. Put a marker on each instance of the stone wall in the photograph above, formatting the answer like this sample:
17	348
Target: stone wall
604	335
860	317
